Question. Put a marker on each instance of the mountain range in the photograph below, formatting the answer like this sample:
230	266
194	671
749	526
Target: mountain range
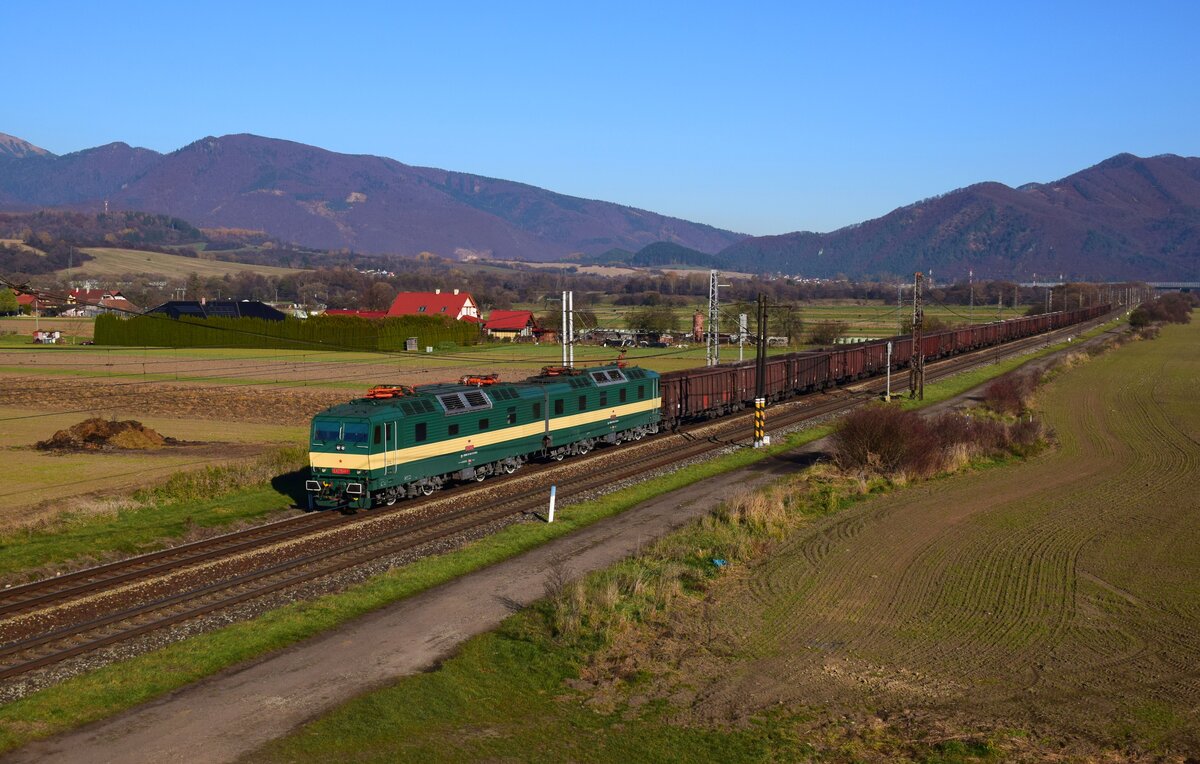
1126	218
319	198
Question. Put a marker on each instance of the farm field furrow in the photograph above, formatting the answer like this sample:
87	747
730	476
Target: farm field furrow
1057	596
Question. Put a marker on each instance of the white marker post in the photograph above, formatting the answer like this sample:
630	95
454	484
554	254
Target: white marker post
550	517
888	395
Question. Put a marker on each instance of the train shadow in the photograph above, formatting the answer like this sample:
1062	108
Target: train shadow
794	460
291	485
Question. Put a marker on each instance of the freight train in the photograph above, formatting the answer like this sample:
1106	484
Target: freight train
401	442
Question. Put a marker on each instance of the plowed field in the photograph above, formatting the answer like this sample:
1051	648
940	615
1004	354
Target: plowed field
1060	597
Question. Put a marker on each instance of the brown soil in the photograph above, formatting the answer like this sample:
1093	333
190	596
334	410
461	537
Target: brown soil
98	434
250	404
1056	597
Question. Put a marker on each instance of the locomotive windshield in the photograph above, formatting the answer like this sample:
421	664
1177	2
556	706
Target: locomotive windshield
330	431
354	432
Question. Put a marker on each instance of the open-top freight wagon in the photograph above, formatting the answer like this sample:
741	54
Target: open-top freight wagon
714	391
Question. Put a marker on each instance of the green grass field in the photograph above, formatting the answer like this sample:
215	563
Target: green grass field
117	262
862	318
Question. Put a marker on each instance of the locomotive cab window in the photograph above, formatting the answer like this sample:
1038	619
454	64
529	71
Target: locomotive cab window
512	414
420	432
356	433
483	424
326	431
452	429
378	438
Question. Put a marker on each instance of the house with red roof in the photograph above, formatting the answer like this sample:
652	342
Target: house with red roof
457	304
510	324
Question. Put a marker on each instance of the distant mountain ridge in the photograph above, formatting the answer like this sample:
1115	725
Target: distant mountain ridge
11	146
1126	218
319	198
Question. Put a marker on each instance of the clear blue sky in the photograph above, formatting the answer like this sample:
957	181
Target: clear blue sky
765	119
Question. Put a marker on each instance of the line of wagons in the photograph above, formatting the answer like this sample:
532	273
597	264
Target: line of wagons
401	442
718	390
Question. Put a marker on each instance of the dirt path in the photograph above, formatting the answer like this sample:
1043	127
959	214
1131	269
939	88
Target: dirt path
237	711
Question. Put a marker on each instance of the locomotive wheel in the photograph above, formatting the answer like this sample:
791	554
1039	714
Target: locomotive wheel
426	489
390	499
509	468
637	434
558	455
479	475
584	447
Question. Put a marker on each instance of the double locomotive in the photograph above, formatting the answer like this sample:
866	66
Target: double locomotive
402	441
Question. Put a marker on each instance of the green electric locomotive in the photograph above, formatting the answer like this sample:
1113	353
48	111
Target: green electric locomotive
400	442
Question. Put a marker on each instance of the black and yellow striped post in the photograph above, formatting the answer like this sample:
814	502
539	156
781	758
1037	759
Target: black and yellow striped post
760	422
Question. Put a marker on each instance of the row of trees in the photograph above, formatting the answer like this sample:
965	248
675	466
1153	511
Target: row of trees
1170	308
320	332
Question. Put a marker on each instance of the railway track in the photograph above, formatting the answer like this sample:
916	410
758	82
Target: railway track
49	621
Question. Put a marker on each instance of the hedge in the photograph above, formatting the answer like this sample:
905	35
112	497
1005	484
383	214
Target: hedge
319	332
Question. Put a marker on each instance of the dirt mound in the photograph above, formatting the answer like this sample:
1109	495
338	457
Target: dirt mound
98	434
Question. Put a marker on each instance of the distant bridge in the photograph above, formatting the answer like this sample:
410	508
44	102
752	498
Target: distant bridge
1175	286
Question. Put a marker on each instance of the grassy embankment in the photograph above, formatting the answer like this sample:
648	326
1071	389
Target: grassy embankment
109	690
149	518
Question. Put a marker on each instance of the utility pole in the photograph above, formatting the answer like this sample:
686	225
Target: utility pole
568	330
887	396
741	334
760	378
916	366
971	282
999	304
562	337
712	349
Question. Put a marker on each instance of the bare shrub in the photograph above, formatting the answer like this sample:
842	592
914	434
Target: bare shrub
1027	436
826	332
1012	393
900	444
875	438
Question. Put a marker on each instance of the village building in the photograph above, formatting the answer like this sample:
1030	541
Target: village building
510	324
457	304
93	302
217	309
